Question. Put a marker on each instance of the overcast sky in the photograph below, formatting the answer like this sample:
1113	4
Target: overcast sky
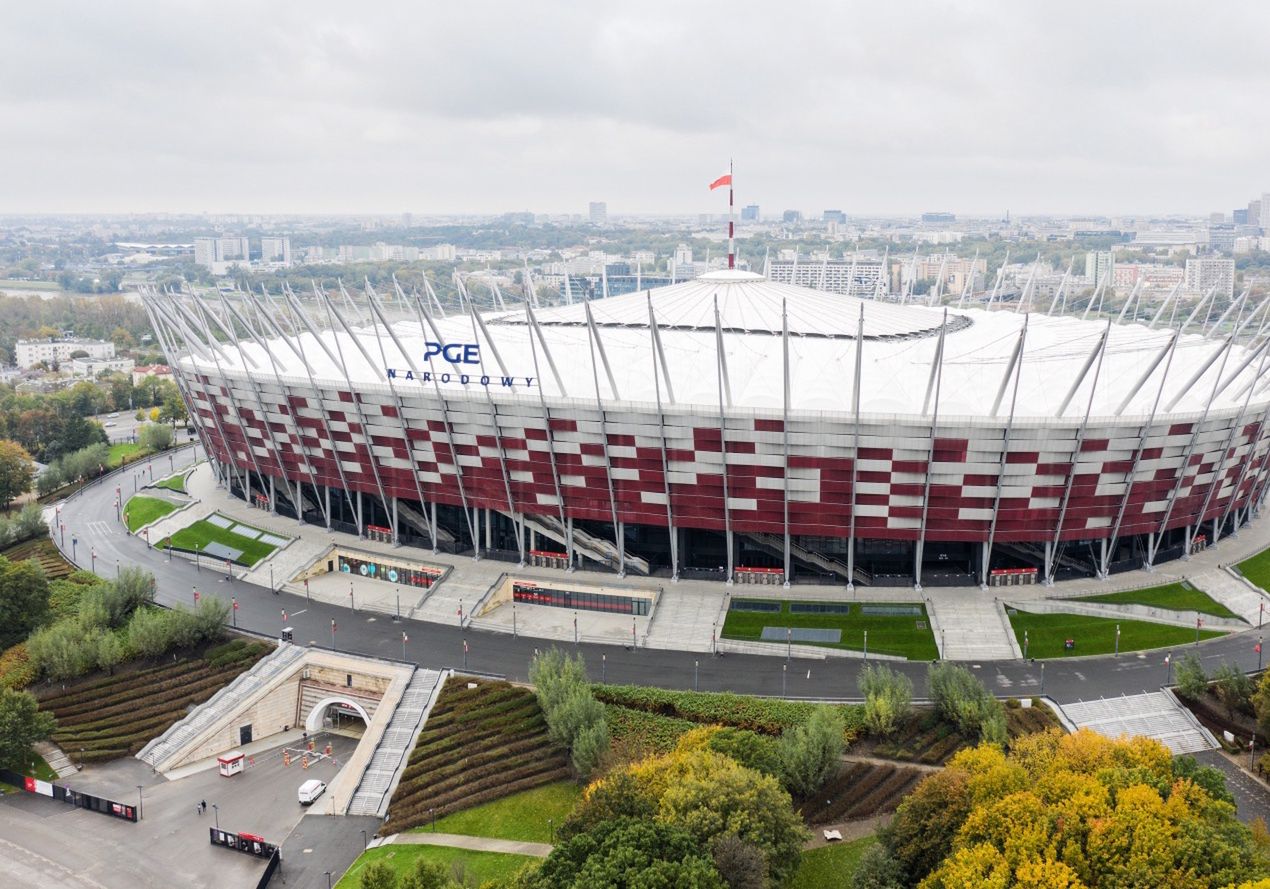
445	107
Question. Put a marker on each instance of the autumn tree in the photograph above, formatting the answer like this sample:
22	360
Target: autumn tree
17	469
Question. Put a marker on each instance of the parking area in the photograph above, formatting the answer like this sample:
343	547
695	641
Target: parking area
46	843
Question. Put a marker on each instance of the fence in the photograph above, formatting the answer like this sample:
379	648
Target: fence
126	811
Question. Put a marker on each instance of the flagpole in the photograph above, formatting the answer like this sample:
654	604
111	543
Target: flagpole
731	220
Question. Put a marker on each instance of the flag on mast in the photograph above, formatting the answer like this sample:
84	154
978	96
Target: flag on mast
725	179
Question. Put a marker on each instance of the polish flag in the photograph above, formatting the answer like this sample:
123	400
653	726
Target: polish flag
725	179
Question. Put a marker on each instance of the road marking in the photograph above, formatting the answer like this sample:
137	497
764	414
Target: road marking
1079	675
298	613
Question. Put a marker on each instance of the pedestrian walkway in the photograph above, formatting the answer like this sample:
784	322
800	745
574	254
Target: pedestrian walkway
474	844
972	626
1235	593
1153	714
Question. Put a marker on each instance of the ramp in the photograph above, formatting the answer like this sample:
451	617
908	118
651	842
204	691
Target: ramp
1154	714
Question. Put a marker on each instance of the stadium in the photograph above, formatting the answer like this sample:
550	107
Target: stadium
733	427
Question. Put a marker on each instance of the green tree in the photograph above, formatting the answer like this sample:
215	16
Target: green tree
155	437
1192	681
627	853
17	469
964	701
888	697
111	652
1234	688
740	864
24	599
877	869
378	875
812	752
921	833
427	875
21	724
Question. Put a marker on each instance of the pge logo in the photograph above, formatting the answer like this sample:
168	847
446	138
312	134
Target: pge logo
454	353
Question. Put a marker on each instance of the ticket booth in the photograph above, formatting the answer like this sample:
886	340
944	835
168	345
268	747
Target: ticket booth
230	763
288	634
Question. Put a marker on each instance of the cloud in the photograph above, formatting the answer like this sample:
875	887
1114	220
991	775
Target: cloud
480	107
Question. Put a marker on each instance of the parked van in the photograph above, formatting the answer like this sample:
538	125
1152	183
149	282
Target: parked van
310	790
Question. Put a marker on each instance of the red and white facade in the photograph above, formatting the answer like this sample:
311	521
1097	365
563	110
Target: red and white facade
732	421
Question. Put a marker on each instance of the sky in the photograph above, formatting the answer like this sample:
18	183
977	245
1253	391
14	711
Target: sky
1109	107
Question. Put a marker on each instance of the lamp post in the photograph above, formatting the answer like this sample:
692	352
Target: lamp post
365	843
784	676
575	628
328	880
866	645
1025	644
74	546
271	586
93	555
1042	677
352	606
514	633
604	667
234	609
789	642
216	814
1258	654
551	826
432	816
1117	640
140	801
464	654
696	665
404	640
332	633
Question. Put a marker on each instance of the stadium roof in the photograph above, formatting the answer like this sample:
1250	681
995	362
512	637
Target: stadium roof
899	349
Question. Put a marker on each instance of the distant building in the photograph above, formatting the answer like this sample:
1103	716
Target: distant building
939	217
1239	216
1221	237
792	216
599	212
28	353
1098	265
834	276
683	255
523	217
1152	275
91	367
439	253
749	213
140	372
1254	213
835	216
954	268
218	254
276	250
1205	271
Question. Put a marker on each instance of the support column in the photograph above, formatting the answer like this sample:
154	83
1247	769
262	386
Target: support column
360	524
396	535
935	383
272	497
327	489
489	534
855	448
433	505
299	500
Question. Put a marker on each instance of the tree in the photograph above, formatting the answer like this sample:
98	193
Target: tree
24	600
574	717
110	652
427	875
1234	688
812	752
378	875
888	697
21	725
962	699
1071	811
877	869
16	471
628	853
740	864
155	437
1192	681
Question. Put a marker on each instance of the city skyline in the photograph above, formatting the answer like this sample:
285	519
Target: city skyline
974	110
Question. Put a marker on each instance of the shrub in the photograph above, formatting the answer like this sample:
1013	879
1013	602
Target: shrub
962	700
62	651
155	436
812	752
16	669
574	717
877	869
1234	689
769	716
888	697
1192	681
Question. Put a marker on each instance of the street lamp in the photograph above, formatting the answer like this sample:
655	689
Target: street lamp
364	841
328	880
216	814
139	799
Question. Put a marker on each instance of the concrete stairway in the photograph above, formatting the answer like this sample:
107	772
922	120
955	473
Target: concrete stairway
58	761
1154	714
1237	594
972	627
383	772
168	744
776	546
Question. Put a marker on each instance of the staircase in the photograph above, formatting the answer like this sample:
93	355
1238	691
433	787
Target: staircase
382	773
58	761
595	548
1237	594
1153	714
776	546
417	520
972	627
1034	555
225	701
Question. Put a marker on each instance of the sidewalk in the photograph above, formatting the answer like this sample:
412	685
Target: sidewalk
474	844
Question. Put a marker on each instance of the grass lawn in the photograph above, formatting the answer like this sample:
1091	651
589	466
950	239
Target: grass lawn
1174	596
173	483
142	510
1257	569
887	634
198	535
521	816
121	452
1096	635
28	285
40	771
479	866
829	867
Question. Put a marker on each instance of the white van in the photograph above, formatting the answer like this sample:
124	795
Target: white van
310	790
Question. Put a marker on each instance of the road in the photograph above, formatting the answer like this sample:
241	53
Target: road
89	517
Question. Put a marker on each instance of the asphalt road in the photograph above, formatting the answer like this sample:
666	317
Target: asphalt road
89	517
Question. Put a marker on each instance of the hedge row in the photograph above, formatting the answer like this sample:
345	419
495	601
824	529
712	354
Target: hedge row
479	744
645	733
767	716
108	717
